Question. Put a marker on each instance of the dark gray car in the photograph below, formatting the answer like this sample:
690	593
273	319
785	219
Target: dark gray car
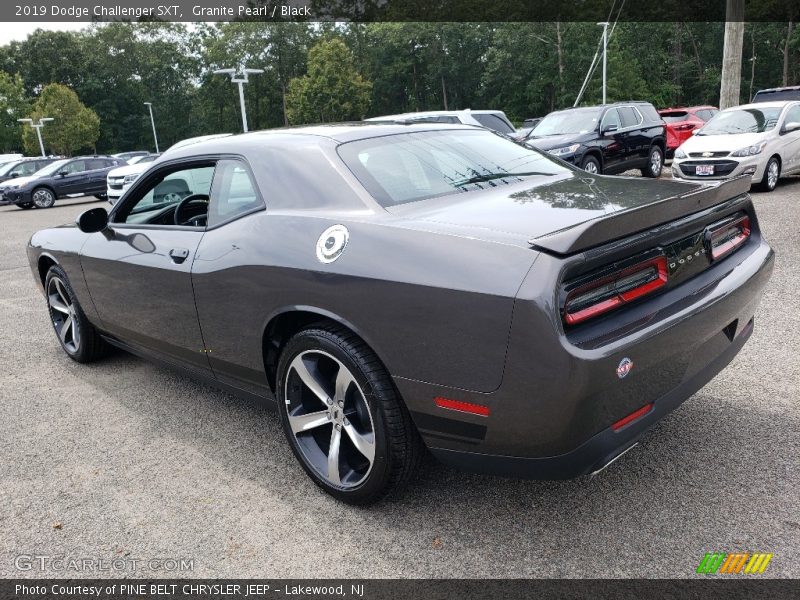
397	287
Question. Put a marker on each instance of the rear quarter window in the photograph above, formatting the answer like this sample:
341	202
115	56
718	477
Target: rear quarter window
493	122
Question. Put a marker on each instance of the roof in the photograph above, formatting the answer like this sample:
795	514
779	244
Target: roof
433	113
335	132
771	104
779	89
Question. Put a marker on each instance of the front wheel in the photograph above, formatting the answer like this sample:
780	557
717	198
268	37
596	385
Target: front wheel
655	162
43	198
591	165
26	206
771	175
79	339
343	418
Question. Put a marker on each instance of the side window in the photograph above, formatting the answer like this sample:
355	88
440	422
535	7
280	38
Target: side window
233	193
28	168
611	118
793	116
493	122
167	190
628	116
95	163
76	166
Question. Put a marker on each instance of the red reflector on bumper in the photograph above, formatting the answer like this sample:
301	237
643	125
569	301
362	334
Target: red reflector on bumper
467	407
637	414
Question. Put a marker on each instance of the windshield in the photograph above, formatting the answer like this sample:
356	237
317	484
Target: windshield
580	120
746	120
414	166
52	167
7	168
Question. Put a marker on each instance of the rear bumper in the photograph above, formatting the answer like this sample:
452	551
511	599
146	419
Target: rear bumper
602	448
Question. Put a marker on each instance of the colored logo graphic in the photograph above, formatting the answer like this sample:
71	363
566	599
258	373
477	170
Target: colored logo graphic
741	562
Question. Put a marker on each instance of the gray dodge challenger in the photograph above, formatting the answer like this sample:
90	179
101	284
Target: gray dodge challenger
402	288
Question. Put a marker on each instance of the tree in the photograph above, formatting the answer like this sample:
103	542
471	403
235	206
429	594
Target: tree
13	105
332	90
731	84
74	126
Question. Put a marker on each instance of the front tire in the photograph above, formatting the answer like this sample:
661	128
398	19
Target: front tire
771	175
101	196
26	206
655	162
591	165
343	418
43	198
78	338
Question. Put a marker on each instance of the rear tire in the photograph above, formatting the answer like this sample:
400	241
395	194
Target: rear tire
655	163
43	197
78	338
591	165
335	396
771	175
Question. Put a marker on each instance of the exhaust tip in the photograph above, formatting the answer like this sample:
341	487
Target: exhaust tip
613	459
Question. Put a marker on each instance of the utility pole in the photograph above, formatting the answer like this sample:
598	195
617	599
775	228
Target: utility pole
38	127
240	81
731	80
153	123
605	57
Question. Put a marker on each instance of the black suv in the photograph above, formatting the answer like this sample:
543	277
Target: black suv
81	176
610	138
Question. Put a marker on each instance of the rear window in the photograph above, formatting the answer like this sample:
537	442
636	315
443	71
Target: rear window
648	111
415	166
675	116
765	96
493	122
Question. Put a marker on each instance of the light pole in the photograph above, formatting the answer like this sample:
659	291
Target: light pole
605	55
244	78
153	123
38	127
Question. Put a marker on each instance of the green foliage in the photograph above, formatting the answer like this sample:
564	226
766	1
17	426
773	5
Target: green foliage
74	126
332	90
13	105
525	69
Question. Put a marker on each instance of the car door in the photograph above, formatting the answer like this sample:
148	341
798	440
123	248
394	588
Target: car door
71	178
138	270
612	142
790	141
96	171
637	142
224	291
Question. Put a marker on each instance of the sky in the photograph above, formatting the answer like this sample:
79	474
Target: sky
10	32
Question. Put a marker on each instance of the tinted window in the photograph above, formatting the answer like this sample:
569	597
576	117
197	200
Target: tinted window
96	163
648	111
170	188
493	122
414	166
611	118
233	192
629	116
76	166
675	116
777	95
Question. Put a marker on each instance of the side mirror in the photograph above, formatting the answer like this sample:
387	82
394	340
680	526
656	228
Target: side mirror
14	174
610	128
93	220
62	173
789	127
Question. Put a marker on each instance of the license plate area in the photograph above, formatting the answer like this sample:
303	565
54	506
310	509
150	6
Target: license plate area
704	170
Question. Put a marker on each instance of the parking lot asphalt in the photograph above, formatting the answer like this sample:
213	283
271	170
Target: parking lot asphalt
126	460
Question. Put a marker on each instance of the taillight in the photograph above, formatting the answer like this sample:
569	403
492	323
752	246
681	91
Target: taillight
723	239
608	292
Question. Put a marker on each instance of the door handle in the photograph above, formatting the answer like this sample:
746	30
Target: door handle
178	255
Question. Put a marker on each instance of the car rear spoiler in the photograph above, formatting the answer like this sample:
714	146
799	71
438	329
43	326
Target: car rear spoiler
623	223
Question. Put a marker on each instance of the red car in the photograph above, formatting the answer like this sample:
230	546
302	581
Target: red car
681	122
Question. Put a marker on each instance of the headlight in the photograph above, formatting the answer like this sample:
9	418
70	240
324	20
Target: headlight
130	178
750	150
680	153
565	150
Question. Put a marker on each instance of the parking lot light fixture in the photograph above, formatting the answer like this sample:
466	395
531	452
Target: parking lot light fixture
38	127
153	123
240	80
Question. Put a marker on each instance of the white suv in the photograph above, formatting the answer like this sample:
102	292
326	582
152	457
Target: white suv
495	120
119	180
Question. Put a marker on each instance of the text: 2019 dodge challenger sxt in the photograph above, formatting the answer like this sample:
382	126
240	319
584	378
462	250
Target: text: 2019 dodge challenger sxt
398	287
